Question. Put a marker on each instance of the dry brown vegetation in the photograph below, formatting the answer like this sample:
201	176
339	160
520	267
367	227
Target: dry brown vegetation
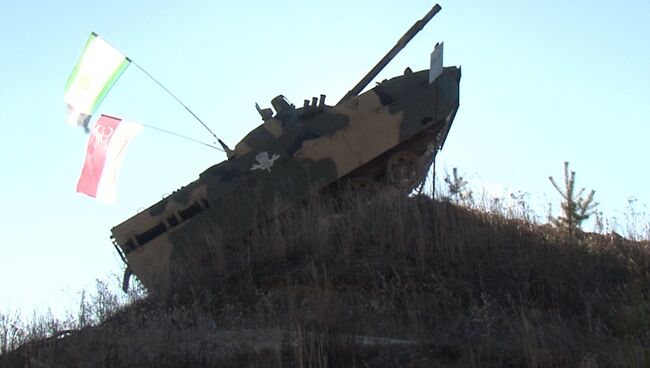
392	282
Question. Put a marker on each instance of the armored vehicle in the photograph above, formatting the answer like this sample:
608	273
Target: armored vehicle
387	135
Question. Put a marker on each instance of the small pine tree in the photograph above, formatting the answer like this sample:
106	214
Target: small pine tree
457	187
575	208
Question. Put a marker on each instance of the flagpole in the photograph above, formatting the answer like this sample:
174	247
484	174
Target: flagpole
176	98
181	136
223	145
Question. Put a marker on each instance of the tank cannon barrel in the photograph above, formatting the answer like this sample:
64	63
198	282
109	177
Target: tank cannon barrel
406	38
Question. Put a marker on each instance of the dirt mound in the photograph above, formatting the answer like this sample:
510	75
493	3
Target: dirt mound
392	282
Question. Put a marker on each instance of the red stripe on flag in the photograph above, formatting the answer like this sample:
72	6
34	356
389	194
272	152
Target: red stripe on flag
98	143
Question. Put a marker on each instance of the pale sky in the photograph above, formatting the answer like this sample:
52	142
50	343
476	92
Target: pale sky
543	83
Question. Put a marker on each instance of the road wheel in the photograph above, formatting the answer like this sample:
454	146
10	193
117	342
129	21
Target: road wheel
402	170
362	184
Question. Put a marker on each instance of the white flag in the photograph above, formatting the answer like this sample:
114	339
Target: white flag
99	66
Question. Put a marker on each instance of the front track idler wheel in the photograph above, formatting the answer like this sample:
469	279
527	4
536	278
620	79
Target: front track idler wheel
402	170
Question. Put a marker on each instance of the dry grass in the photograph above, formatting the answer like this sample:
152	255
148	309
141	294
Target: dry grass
394	282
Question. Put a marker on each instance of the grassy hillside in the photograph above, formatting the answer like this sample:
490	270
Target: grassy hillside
393	282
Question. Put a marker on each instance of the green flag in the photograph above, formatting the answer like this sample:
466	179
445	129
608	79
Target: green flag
99	66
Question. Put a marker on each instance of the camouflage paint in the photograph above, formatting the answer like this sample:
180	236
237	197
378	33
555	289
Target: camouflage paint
294	154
